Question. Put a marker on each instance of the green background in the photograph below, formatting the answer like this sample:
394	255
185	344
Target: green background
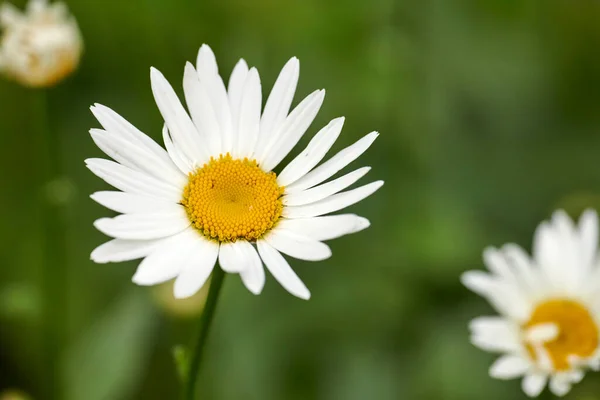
488	113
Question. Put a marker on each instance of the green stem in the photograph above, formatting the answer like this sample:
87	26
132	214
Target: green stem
216	282
54	250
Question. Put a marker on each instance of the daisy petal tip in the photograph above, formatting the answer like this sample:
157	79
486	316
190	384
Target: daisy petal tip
181	294
362	223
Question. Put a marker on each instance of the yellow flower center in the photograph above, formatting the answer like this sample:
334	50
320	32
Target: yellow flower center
577	331
229	199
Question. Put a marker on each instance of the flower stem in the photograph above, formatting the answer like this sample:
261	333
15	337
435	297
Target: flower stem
216	282
54	269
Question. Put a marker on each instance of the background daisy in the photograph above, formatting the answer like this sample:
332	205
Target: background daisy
548	328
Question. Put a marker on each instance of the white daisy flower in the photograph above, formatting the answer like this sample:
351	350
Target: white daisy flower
548	328
212	194
41	46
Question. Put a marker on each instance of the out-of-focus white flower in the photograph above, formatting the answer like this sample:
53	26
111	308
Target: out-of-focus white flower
40	46
549	325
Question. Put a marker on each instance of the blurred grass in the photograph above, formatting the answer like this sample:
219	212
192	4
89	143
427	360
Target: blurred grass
489	121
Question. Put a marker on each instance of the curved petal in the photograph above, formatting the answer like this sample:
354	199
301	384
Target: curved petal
184	132
197	268
113	122
291	131
325	228
166	261
313	154
279	102
208	73
281	270
179	159
118	250
201	109
297	246
332	203
231	258
509	367
333	165
143	226
253	276
235	90
325	190
135	157
533	384
249	117
128	203
131	181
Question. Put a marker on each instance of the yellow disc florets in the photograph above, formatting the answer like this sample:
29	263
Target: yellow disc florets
229	199
577	331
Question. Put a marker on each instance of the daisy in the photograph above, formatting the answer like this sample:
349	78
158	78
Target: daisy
213	195
41	46
548	328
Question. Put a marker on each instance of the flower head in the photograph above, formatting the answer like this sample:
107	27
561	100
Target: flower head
213	195
549	323
41	46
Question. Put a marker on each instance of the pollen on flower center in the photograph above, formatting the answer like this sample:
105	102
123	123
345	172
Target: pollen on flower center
229	199
577	331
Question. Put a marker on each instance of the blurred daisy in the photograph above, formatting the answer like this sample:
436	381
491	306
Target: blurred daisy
549	324
41	46
212	194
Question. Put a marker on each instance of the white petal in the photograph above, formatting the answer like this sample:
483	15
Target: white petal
201	109
235	90
541	333
182	129
206	61
312	154
533	384
123	202
282	271
291	131
131	181
297	246
144	226
325	228
497	264
197	268
478	282
253	276
495	334
559	387
332	203
527	274
279	102
249	116
503	296
325	190
588	235
184	164
333	165
208	73
509	367
231	258
136	157
118	250
113	122
166	261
